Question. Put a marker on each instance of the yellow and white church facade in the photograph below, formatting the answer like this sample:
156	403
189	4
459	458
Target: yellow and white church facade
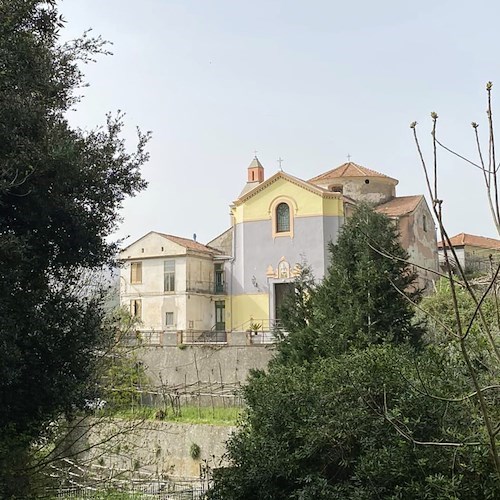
237	281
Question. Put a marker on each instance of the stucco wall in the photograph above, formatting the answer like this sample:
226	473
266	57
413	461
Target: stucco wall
223	242
420	241
155	307
199	274
190	301
376	191
477	259
331	229
200	312
155	448
218	364
155	302
151	245
304	202
152	276
257	249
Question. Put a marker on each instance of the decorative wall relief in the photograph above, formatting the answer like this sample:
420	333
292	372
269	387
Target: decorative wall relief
283	270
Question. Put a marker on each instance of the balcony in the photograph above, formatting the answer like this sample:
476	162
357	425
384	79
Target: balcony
262	331
209	287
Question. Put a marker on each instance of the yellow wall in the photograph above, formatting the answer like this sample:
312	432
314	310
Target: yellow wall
244	307
306	203
333	207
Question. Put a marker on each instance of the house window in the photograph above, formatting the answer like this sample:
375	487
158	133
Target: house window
283	218
424	222
169	319
136	308
219	278
220	316
136	272
169	275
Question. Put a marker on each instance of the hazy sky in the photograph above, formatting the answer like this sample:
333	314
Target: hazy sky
311	82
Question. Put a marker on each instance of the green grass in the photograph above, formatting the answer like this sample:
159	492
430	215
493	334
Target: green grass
105	495
188	415
112	496
207	415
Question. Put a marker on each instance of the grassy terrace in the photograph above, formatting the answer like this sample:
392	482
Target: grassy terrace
104	495
187	415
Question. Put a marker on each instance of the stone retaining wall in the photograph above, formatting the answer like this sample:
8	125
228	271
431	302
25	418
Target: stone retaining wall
159	449
187	364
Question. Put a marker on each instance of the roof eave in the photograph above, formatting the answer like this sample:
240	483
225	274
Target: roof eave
294	180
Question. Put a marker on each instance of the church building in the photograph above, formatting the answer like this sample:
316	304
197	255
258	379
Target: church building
237	281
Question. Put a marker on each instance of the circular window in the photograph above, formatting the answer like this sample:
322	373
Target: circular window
367	181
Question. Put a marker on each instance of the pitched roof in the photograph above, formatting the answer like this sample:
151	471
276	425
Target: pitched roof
248	187
350	169
295	180
255	163
184	242
400	205
474	241
190	244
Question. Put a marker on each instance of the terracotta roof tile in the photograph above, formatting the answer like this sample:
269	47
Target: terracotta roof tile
190	244
400	205
473	241
349	169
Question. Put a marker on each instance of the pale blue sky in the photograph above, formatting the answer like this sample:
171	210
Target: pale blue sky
308	81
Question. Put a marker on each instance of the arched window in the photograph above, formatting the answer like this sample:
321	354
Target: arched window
283	218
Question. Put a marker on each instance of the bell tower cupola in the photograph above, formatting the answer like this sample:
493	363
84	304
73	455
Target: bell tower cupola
255	175
255	171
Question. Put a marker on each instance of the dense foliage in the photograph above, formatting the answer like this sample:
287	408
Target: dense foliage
365	298
60	190
123	374
358	403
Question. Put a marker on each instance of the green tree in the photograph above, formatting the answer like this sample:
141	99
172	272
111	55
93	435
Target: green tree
123	374
349	428
464	326
439	313
60	190
357	404
365	298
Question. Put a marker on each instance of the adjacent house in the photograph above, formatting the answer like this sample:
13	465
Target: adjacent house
475	254
173	284
237	281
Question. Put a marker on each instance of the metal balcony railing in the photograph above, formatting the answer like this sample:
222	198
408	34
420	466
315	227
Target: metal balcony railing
204	337
261	331
211	287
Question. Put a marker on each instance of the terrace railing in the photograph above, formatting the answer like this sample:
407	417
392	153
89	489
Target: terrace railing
209	287
204	337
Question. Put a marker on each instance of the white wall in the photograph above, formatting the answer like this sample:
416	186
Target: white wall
192	302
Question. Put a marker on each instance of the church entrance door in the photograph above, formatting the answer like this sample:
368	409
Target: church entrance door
281	291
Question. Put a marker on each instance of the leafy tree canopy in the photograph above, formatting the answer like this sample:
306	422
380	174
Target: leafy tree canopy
365	298
349	427
358	404
60	191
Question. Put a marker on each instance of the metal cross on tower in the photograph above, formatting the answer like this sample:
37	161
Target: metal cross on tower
280	161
